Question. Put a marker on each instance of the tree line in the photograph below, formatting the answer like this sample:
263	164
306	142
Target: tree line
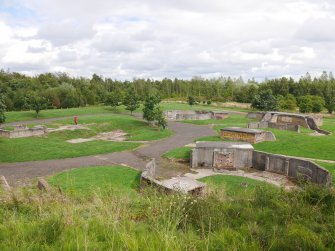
59	90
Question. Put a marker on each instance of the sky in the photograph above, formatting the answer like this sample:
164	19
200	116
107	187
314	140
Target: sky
168	38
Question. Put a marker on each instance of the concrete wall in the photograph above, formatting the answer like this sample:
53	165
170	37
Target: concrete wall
251	138
194	115
255	115
291	167
203	157
23	133
264	124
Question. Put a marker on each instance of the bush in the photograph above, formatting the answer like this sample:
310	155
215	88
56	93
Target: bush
288	103
265	101
310	103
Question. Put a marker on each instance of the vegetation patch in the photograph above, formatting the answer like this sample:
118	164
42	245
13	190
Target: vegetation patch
88	180
54	145
180	153
234	185
256	219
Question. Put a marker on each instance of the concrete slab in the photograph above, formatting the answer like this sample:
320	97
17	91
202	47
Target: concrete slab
182	184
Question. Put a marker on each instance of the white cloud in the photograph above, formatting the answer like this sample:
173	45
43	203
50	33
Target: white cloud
171	38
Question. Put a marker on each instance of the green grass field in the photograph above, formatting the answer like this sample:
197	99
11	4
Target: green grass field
287	143
88	180
100	208
54	145
232	184
15	116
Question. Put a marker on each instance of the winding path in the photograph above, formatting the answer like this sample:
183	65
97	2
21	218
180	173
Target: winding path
184	133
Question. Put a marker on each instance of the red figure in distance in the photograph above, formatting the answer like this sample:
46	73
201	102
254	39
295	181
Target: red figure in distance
76	120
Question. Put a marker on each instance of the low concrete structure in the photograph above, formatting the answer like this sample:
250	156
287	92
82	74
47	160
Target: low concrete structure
247	135
176	184
222	155
291	167
194	115
284	120
22	131
263	124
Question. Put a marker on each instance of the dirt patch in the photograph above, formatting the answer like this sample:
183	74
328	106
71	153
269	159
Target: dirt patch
115	136
70	128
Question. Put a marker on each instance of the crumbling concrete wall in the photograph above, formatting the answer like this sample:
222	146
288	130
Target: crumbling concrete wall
23	132
263	124
291	167
251	136
287	121
194	115
177	184
221	155
255	115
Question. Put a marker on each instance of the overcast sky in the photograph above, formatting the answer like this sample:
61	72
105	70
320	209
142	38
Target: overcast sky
168	38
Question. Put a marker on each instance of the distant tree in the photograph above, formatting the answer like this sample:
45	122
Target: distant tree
305	104
149	108
159	118
318	103
37	103
131	101
113	99
2	110
287	103
330	104
191	100
265	101
209	102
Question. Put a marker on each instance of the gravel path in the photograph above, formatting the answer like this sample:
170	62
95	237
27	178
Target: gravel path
184	133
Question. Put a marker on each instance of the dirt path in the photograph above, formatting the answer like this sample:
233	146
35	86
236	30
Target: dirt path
184	133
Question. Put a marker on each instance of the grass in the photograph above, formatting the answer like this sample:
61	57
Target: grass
287	143
15	116
302	144
54	145
90	179
234	185
257	218
181	153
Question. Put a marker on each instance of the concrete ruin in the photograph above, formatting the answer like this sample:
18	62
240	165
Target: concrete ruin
223	156
194	115
287	121
263	124
247	135
22	131
177	184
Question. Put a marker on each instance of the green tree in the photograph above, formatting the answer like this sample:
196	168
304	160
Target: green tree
288	103
131	101
318	103
305	104
265	101
159	118
191	100
149	108
113	99
37	103
330	103
2	110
